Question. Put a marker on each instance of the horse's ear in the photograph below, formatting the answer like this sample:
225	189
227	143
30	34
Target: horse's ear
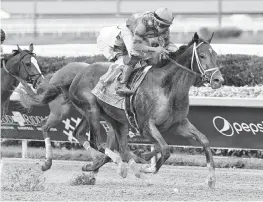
209	40
31	47
18	48
196	37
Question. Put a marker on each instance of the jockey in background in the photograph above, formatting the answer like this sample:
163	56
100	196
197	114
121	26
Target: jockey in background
110	44
2	41
136	35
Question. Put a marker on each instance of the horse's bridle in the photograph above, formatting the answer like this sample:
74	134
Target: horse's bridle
30	79
199	65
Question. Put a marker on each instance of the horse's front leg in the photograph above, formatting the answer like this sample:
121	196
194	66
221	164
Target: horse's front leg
186	129
49	155
151	130
57	112
4	107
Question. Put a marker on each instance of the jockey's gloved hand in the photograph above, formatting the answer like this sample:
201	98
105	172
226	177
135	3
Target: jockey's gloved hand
164	56
160	50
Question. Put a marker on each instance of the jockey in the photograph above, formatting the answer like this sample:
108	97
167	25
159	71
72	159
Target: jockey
110	44
2	41
2	36
137	31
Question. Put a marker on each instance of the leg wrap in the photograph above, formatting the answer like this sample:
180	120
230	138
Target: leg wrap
115	157
49	153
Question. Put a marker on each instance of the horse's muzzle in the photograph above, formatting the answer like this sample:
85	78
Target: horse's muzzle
216	82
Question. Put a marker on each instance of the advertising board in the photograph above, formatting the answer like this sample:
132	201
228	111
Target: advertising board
226	127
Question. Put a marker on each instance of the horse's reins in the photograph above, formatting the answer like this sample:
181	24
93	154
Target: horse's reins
30	76
199	65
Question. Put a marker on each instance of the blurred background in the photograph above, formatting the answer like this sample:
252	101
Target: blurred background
68	21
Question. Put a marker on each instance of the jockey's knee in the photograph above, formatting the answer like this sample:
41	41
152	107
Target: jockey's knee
131	60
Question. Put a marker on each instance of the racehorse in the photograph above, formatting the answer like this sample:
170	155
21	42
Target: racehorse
21	66
60	107
160	102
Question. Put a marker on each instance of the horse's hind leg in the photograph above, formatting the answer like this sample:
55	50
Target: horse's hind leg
57	112
86	103
120	142
148	155
98	158
186	129
112	144
90	110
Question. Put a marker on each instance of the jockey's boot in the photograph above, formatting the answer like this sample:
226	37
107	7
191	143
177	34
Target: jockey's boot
129	65
124	90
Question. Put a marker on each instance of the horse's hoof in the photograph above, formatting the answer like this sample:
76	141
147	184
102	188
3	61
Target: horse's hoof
146	183
149	169
122	170
138	175
47	165
87	168
211	182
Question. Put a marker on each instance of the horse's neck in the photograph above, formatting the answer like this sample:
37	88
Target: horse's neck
177	82
8	84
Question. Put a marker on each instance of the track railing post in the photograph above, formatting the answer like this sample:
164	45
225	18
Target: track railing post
24	149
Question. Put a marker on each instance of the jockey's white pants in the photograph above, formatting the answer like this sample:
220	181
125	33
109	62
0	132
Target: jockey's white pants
127	37
104	49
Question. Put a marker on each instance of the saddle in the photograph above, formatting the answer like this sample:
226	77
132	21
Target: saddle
105	90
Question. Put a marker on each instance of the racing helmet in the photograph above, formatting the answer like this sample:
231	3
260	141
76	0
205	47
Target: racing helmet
163	16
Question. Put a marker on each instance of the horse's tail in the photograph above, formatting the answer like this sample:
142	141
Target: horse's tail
45	94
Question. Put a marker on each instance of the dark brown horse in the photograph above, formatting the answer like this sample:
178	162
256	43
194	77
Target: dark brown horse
21	66
161	102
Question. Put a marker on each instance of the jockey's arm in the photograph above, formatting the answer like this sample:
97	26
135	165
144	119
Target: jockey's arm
168	45
139	41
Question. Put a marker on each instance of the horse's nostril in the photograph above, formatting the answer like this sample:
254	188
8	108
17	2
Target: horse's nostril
216	80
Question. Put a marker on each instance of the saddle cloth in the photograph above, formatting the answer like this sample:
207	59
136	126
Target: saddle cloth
105	90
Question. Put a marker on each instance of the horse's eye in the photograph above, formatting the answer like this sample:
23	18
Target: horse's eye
28	63
202	56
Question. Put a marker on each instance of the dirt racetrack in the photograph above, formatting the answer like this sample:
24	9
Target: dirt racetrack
232	184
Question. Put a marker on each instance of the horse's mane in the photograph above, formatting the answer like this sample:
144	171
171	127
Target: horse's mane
183	48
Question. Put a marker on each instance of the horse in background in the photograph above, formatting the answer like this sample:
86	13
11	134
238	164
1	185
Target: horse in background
60	107
20	66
